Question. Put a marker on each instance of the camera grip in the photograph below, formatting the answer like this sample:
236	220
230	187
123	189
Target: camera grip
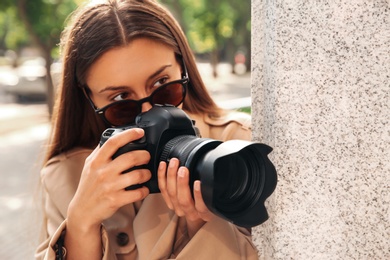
137	145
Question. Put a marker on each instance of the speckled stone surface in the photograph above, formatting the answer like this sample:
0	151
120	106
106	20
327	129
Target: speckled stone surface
321	98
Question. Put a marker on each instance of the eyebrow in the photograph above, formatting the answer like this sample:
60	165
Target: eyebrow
161	69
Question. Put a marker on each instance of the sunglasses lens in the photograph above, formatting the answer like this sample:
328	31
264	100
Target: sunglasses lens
122	113
170	94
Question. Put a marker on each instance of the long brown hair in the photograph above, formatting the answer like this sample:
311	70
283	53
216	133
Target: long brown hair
95	29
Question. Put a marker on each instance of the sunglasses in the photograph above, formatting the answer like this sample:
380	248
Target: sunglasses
124	112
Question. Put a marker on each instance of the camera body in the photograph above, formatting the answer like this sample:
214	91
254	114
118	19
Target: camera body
236	176
161	124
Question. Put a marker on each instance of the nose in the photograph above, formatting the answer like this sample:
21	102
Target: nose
146	106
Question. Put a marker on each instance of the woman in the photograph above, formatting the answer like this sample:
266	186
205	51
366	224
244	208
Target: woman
120	58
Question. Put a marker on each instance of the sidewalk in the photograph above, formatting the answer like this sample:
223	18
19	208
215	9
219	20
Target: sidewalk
23	130
226	86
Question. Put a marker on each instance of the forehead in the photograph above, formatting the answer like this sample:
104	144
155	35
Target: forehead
137	59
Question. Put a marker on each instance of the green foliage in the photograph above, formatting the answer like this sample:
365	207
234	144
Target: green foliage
210	24
47	18
38	21
12	32
43	21
247	110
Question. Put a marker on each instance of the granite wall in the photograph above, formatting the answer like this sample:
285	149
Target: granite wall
321	99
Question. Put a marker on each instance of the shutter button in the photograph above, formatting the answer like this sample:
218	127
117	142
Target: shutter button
122	239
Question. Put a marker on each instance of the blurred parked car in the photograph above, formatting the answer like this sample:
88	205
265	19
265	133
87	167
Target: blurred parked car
30	81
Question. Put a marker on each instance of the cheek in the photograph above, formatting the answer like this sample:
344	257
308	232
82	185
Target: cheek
146	107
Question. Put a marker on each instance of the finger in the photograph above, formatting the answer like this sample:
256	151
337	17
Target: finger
162	183
184	196
95	150
172	185
130	196
109	148
132	178
171	178
129	160
200	205
92	155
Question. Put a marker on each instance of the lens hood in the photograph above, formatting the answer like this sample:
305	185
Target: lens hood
237	177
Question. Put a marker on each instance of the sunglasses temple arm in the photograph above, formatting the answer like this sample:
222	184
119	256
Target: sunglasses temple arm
89	99
185	71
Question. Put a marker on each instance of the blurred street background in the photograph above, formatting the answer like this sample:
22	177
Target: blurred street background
218	32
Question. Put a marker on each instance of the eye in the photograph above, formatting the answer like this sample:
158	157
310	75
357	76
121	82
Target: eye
121	96
160	82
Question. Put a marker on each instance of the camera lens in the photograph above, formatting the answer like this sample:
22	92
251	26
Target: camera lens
183	145
238	181
236	176
189	150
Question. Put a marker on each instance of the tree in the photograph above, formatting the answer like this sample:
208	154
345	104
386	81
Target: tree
214	26
43	20
241	36
12	32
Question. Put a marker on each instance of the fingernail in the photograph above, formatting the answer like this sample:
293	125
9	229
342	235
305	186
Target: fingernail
182	172
161	166
173	163
197	185
139	130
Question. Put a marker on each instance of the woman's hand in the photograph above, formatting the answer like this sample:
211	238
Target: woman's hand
101	191
174	186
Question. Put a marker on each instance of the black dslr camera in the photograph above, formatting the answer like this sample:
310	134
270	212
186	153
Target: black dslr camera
236	176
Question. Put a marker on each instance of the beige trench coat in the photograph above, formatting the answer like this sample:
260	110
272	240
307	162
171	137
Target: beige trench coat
147	229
